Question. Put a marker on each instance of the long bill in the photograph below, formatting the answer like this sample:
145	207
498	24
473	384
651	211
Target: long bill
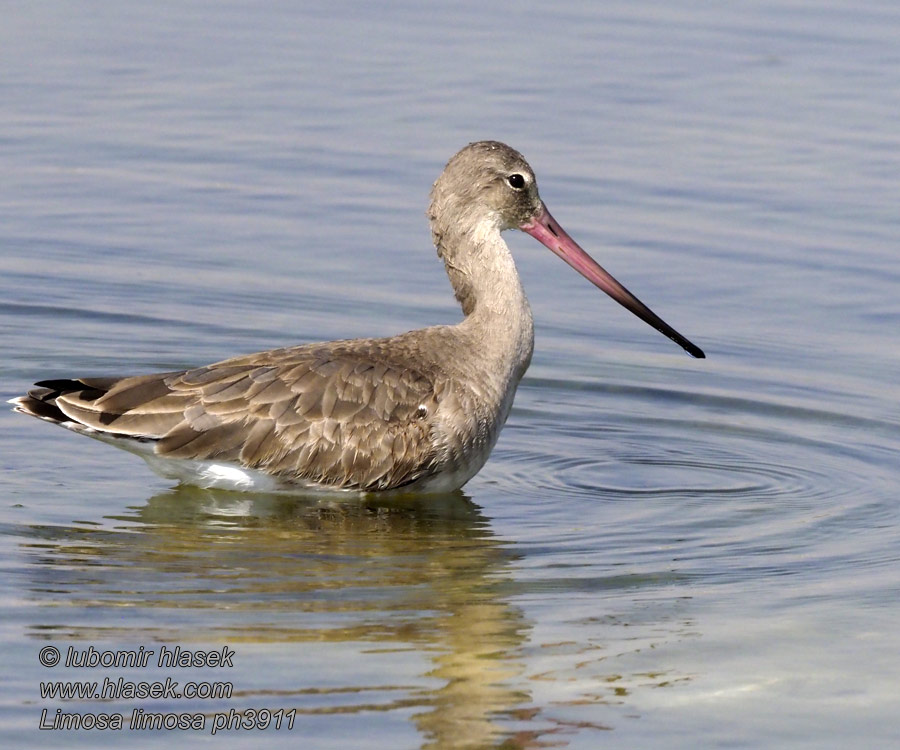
545	229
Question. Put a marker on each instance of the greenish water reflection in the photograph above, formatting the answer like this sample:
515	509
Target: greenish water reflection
408	576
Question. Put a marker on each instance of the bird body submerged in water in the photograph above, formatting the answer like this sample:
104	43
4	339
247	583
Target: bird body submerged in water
420	411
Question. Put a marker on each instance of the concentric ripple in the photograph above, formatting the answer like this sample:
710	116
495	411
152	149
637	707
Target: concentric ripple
757	484
613	441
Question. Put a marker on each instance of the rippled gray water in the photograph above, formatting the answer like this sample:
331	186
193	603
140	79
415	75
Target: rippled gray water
662	552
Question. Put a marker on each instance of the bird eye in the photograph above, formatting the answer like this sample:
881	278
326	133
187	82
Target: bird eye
516	181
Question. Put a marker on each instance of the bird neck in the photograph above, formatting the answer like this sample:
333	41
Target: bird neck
486	284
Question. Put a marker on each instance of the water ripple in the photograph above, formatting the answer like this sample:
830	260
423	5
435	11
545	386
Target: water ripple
737	448
760	487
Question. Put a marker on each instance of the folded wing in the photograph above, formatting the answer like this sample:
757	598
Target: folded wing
335	416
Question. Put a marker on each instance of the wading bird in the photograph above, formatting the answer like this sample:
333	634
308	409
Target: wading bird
420	411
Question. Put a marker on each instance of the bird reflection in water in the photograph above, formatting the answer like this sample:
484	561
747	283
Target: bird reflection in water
314	590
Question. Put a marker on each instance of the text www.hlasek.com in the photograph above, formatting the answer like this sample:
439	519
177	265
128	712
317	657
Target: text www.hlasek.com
125	689
167	689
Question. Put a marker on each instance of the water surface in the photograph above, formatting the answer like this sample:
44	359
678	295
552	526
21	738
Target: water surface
662	552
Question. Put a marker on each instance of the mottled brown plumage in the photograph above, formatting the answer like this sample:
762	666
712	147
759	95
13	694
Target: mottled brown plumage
348	415
421	410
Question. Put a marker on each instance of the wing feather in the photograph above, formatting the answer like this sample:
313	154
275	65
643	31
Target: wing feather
345	415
